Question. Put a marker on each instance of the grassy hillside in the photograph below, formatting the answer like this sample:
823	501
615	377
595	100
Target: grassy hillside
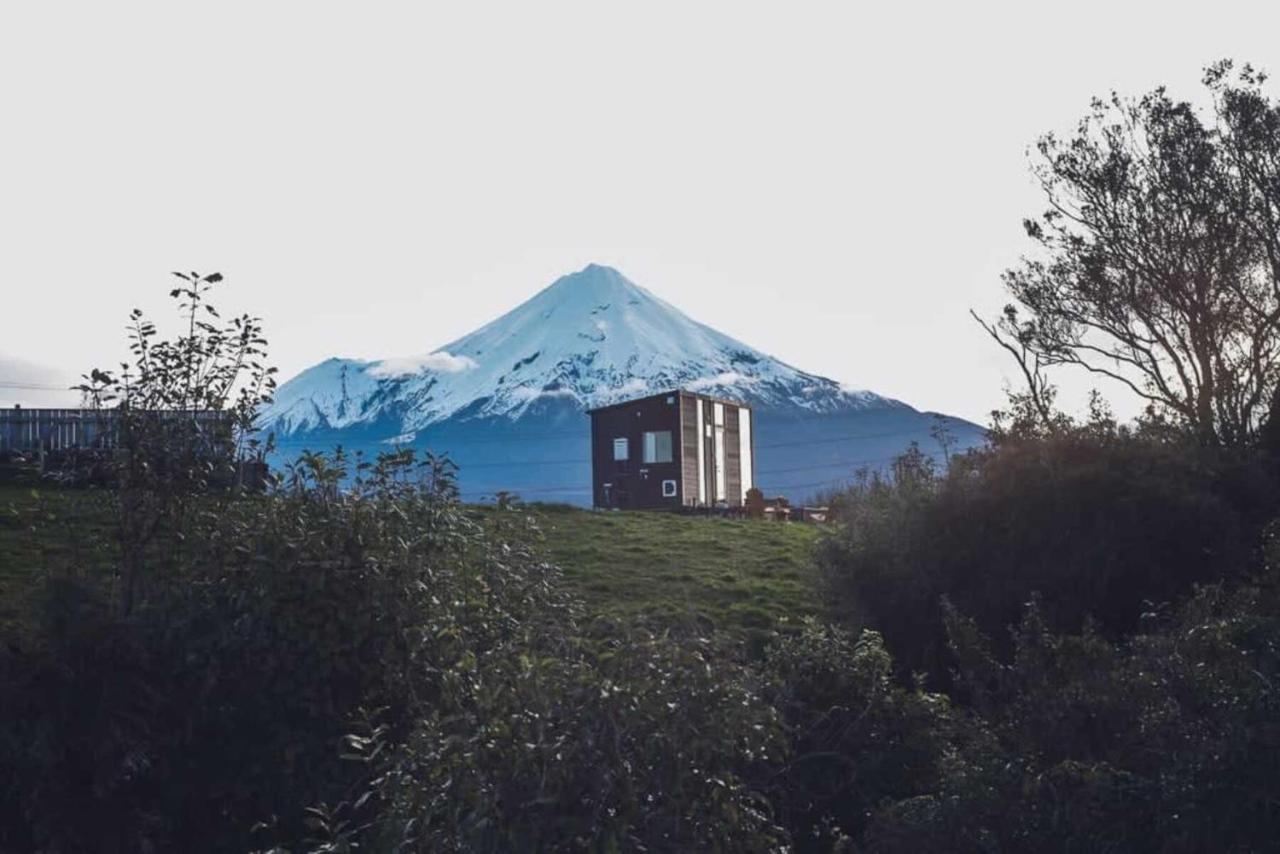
735	574
732	574
44	529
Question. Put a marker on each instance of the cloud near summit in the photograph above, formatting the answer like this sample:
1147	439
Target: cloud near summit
441	361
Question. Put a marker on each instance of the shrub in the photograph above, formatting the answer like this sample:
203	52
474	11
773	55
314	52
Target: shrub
1097	520
221	700
643	743
857	738
1166	742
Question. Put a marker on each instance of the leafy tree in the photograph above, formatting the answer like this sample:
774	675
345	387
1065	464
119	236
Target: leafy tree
1159	257
179	420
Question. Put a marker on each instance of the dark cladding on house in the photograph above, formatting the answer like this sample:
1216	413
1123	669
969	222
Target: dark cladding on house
670	450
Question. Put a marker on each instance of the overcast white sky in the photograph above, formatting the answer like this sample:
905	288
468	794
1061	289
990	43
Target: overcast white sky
377	179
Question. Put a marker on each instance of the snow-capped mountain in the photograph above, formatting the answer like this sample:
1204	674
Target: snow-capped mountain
592	337
508	401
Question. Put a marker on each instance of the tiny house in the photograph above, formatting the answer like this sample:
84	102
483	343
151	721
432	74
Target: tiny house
671	450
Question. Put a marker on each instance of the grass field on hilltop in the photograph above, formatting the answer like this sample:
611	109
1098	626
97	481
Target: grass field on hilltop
19	553
738	574
734	574
44	529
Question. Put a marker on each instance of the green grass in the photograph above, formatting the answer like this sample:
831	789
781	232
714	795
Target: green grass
44	530
733	574
737	575
18	555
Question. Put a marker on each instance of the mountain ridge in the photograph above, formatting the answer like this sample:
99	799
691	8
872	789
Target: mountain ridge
593	336
588	339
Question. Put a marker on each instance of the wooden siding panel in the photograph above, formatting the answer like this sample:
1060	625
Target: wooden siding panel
690	430
732	457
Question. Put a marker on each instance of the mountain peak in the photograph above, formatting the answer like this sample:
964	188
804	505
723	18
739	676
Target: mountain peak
589	338
594	279
506	401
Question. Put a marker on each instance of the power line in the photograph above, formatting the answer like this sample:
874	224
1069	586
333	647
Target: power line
584	490
837	464
525	437
537	437
832	440
38	387
813	484
584	462
766	472
540	490
585	431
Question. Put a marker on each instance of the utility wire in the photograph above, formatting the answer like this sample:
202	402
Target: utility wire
537	437
577	434
584	462
37	386
565	490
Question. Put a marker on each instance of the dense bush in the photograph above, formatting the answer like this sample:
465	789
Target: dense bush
1166	742
1102	522
220	701
378	667
857	738
645	743
356	660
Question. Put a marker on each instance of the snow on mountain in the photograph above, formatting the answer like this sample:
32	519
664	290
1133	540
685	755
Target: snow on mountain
507	402
592	337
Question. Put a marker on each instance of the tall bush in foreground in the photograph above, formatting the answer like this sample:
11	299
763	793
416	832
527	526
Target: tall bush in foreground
179	421
857	738
1166	742
220	701
645	743
1103	522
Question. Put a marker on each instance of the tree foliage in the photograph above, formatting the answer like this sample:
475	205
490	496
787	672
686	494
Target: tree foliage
1165	742
1158	262
178	422
1101	520
1065	641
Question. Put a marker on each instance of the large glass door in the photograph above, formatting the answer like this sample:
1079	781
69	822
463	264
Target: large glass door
718	456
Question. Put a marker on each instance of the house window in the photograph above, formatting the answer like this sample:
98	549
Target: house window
668	489
657	446
621	449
